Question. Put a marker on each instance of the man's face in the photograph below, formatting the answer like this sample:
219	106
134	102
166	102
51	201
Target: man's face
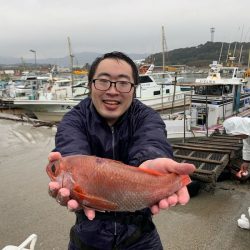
111	104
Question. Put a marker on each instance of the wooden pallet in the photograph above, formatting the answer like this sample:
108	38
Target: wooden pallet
210	155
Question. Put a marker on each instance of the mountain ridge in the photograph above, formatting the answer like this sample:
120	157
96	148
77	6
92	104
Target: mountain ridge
203	54
200	56
80	59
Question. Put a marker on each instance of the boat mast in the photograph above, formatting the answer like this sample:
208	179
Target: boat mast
228	53
221	52
71	57
241	44
164	48
234	48
248	59
241	47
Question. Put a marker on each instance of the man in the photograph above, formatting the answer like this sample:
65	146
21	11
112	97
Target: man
240	127
112	124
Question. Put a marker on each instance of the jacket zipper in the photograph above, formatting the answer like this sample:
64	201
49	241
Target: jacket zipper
113	151
113	141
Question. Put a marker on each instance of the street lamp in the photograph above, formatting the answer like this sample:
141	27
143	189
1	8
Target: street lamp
33	51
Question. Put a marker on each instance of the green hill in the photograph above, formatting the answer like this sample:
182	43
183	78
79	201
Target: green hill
202	55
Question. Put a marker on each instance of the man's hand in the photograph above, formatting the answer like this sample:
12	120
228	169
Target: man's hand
244	166
243	174
62	195
166	165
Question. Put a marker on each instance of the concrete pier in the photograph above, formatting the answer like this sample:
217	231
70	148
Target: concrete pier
209	221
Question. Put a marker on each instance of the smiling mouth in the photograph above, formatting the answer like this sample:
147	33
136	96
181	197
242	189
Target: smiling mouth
111	102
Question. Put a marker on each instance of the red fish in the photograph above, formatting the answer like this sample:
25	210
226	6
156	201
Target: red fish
109	185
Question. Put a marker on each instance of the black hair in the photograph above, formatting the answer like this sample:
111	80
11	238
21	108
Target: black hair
114	55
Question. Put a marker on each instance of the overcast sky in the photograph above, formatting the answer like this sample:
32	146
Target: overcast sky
131	26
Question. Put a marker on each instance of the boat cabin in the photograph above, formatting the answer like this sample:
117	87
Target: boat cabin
158	91
218	96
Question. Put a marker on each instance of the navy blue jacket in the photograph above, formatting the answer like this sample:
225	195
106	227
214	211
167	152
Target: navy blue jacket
138	135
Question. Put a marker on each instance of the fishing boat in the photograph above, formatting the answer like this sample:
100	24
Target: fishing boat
54	100
23	88
62	89
218	96
46	110
178	126
158	90
247	74
155	90
3	85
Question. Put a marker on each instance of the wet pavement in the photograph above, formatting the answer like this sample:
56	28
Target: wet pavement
209	221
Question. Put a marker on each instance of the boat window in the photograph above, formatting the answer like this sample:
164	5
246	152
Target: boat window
64	84
143	79
186	88
164	79
158	92
228	89
242	104
200	90
31	78
226	73
209	90
20	94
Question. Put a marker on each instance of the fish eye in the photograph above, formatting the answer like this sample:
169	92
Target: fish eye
53	168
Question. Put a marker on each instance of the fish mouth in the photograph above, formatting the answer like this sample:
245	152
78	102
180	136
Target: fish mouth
62	183
50	171
66	180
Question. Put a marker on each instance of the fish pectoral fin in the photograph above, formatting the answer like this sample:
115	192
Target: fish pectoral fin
185	180
151	171
95	202
96	209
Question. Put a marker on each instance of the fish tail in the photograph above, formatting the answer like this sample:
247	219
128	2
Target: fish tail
185	180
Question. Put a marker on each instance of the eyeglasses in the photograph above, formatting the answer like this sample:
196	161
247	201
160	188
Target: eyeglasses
121	86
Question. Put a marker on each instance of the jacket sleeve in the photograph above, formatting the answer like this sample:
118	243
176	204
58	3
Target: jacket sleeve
71	137
149	139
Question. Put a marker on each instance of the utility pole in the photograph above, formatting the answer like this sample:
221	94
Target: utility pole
23	64
33	51
212	30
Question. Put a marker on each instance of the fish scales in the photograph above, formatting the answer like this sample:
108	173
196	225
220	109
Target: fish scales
110	185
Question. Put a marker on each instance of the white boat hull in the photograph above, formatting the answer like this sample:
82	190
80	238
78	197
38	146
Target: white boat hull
166	102
47	110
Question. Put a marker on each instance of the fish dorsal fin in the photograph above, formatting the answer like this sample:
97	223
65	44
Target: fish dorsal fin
151	171
94	202
145	170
